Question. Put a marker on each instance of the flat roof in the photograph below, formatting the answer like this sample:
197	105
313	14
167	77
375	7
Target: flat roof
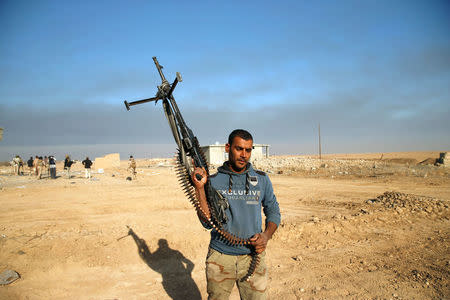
223	145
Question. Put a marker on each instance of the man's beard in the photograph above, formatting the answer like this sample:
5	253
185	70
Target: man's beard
234	166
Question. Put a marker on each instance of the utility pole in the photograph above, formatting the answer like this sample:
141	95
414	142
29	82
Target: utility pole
320	145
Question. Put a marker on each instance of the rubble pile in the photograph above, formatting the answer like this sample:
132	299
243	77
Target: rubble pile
342	167
302	163
158	162
411	203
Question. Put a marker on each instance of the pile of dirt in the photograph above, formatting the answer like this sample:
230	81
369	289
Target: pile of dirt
409	202
338	168
405	161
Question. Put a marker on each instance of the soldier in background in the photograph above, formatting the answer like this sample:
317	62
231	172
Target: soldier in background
132	166
46	165
13	165
20	166
17	164
30	164
39	167
87	163
67	165
35	166
52	166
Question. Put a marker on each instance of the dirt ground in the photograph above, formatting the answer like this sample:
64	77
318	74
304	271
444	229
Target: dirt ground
383	236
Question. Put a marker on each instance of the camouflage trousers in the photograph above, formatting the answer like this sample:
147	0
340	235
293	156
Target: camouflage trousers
223	271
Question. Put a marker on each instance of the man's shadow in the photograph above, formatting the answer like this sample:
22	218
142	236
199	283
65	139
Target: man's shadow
174	268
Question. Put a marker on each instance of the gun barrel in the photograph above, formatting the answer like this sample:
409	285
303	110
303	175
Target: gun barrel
159	68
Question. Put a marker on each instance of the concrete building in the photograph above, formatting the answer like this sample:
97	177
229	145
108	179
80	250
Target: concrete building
216	155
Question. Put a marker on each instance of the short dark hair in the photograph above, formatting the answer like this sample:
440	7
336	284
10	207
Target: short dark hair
244	134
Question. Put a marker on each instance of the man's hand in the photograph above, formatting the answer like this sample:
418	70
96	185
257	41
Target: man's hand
259	241
199	184
200	191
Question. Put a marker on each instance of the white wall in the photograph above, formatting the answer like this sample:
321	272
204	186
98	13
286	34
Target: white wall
216	155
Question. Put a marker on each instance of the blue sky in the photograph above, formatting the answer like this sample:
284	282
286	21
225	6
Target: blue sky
375	74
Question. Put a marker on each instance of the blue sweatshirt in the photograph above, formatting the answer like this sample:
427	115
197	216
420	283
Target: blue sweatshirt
246	193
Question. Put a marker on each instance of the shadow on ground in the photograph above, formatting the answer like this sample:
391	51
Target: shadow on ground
174	268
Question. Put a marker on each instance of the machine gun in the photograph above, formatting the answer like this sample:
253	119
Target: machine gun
190	155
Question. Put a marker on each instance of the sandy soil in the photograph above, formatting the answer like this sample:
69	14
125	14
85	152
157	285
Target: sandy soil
339	237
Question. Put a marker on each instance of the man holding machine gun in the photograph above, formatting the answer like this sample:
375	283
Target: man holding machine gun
246	190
